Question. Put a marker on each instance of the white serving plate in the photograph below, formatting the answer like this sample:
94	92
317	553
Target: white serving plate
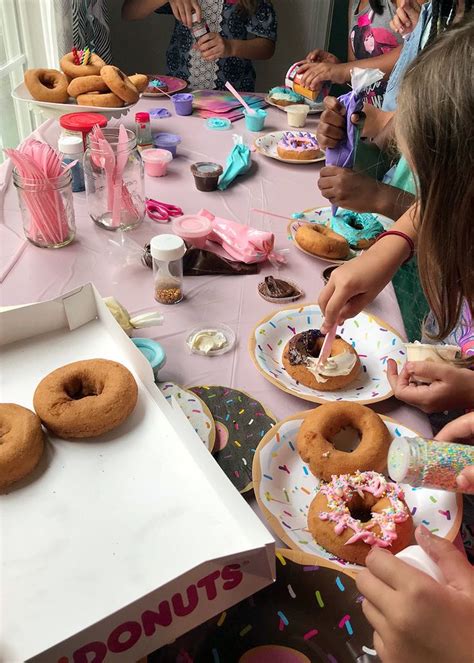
267	145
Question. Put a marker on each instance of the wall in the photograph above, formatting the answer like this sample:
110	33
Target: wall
139	46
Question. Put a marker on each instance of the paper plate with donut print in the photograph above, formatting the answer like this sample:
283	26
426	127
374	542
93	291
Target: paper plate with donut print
322	215
195	410
267	145
285	487
374	341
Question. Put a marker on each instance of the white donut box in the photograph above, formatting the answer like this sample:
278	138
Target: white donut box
117	545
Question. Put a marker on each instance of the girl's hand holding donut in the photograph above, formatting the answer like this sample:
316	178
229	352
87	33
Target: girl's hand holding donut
212	47
184	9
450	388
403	605
461	430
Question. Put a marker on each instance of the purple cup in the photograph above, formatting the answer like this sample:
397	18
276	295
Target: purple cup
166	141
183	103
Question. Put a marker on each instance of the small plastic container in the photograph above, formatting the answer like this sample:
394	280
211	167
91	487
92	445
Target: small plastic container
167	253
183	103
167	141
255	122
156	161
194	229
206	175
428	463
143	130
72	149
297	115
80	124
199	337
198	28
153	351
326	275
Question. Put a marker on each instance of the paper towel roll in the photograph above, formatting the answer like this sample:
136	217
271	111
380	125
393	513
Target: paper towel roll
416	557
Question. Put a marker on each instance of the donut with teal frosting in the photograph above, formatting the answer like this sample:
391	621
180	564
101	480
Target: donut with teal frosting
359	229
283	96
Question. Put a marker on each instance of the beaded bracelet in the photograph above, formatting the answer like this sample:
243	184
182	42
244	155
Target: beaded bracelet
406	237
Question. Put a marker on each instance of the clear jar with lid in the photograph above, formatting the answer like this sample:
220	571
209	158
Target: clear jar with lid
113	171
428	463
167	253
199	28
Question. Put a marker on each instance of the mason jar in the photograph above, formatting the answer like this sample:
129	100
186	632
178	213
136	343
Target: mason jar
47	210
113	172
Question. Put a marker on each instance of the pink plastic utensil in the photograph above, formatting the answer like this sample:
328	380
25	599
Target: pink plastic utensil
327	346
122	157
232	89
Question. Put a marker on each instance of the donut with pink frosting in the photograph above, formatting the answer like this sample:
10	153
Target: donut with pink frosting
354	512
298	145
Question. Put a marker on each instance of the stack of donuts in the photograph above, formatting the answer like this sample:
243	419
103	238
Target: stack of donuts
92	84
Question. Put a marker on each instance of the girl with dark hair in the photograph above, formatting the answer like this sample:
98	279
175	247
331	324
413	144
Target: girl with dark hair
240	31
371	44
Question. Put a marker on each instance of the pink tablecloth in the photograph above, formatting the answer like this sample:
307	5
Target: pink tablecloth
40	274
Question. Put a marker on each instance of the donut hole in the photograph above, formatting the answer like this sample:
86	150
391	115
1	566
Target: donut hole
360	508
49	82
78	388
346	439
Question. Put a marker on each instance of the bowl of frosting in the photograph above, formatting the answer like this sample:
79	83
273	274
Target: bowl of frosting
211	340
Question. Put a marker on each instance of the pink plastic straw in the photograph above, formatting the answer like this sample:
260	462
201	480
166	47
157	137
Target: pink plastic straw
327	346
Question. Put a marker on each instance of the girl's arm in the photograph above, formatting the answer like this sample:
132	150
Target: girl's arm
257	48
357	283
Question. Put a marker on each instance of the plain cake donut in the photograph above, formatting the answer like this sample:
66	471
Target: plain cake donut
322	424
21	443
47	85
99	99
72	70
321	241
86	398
86	84
119	84
353	513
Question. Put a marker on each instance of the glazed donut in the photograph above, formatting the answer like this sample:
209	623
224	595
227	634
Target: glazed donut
100	99
75	70
21	443
47	85
320	426
299	146
360	230
300	359
283	96
140	81
352	513
86	84
85	398
119	84
321	241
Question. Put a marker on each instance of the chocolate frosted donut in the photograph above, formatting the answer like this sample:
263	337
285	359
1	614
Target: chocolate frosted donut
21	442
86	398
300	360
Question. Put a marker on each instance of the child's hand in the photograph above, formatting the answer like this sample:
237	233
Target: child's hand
461	428
345	188
184	9
414	617
406	17
332	124
451	388
319	55
212	47
313	75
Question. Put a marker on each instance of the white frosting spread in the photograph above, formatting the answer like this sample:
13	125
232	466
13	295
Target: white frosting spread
208	340
341	364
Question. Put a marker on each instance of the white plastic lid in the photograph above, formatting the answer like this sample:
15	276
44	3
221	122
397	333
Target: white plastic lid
70	144
167	247
190	226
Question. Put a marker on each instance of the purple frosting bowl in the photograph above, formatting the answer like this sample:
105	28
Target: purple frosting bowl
183	103
166	141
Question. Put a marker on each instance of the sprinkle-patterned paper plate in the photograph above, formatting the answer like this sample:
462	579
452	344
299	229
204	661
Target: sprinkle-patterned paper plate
285	488
267	145
322	215
374	341
195	410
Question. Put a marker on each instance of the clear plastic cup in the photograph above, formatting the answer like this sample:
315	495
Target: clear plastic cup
156	161
297	115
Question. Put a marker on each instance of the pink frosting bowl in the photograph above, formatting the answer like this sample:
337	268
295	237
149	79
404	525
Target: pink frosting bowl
156	161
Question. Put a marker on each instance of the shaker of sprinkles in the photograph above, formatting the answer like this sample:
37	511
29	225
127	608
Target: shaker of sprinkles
428	463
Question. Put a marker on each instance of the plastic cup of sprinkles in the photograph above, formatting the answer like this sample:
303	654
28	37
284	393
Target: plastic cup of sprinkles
428	463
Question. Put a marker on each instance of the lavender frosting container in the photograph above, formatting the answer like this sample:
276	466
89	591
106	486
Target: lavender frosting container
167	141
183	103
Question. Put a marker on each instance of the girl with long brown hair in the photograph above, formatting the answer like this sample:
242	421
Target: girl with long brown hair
434	131
240	31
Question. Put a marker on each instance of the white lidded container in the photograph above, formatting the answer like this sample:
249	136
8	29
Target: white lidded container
167	253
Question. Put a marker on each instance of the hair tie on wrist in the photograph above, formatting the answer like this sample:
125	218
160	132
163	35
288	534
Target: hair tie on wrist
406	237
